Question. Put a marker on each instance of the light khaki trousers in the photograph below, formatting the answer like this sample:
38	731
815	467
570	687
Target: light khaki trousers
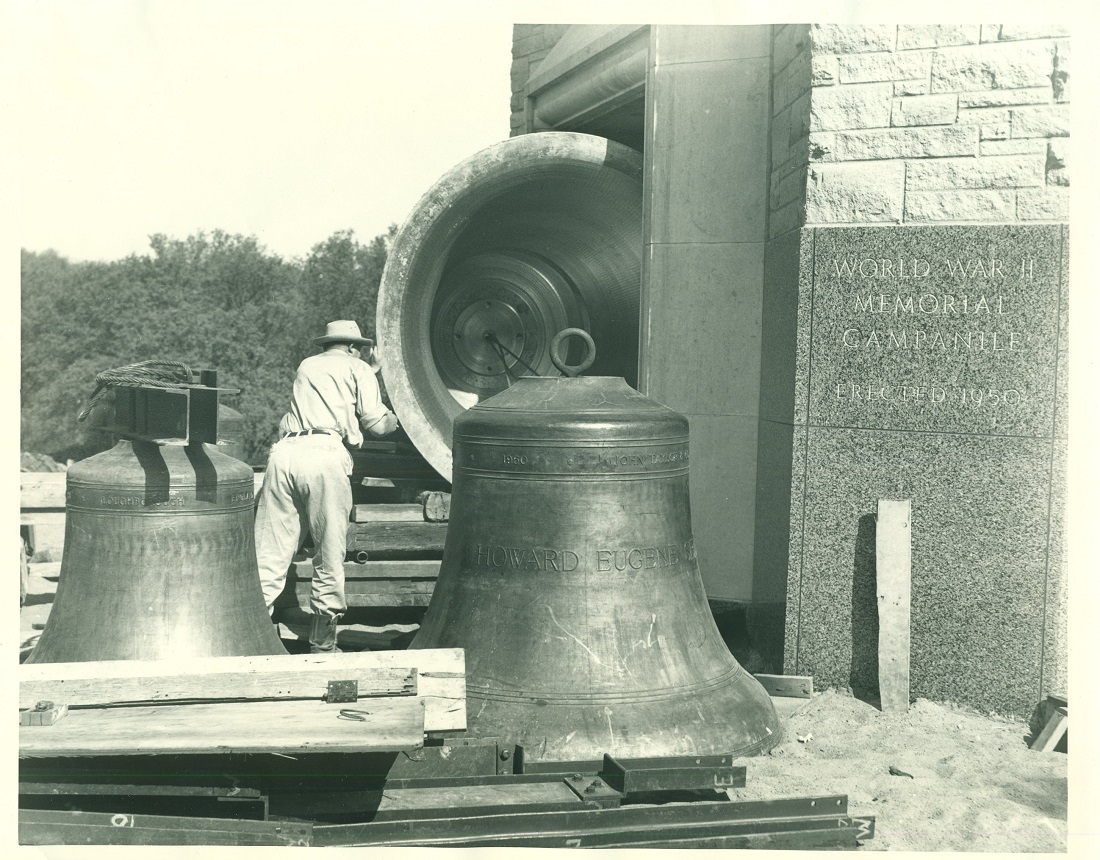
305	489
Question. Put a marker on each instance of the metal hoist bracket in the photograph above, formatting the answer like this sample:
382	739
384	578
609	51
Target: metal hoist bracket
342	691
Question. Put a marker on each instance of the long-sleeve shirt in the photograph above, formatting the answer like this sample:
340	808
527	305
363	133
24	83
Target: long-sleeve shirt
334	391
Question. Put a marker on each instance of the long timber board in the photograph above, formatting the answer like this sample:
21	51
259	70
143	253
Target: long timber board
129	702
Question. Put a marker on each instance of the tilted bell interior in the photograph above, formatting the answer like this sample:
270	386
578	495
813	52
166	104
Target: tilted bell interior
531	236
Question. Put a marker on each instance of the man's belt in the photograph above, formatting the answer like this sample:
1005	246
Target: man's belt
310	433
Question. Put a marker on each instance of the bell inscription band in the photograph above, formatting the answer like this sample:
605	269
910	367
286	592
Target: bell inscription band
570	578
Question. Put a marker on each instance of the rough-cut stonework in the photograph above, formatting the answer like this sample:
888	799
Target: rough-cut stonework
968	113
855	193
901	94
853	38
912	36
530	45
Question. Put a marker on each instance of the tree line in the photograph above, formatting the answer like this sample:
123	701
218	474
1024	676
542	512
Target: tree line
212	300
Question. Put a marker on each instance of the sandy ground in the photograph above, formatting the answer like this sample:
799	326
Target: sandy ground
963	781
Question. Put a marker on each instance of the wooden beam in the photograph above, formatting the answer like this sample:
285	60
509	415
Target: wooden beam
397	537
387	514
42	490
42	518
1053	731
308	682
252	727
379	593
441	677
893	557
792	686
409	582
415	568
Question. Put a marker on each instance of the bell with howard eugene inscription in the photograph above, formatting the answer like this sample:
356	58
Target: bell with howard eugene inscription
570	578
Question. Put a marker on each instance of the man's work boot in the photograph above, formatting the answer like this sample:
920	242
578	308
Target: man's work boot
322	634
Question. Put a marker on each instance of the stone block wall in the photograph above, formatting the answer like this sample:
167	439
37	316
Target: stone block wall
922	124
530	45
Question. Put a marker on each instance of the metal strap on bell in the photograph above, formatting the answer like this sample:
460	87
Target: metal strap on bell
570	578
160	559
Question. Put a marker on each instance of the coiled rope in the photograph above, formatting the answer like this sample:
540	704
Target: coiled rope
157	372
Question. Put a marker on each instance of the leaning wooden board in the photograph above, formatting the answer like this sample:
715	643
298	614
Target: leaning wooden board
405	692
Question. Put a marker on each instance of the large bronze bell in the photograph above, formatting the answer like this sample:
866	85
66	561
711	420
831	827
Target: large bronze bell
160	560
532	235
570	578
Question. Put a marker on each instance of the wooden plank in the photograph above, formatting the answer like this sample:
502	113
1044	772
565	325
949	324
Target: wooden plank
351	637
387	514
471	799
893	557
384	536
64	827
42	490
379	446
441	674
42	518
441	683
301	684
1052	732
401	582
252	727
792	686
407	465
414	568
379	593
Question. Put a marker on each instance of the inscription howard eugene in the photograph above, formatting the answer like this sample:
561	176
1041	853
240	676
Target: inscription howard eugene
495	556
955	309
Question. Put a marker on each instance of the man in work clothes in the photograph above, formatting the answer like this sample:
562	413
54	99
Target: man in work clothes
306	487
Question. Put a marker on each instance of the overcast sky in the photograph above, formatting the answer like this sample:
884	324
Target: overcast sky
283	120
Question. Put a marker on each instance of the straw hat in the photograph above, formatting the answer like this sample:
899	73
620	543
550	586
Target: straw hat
343	331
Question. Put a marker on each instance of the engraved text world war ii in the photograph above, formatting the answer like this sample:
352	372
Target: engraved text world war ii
936	373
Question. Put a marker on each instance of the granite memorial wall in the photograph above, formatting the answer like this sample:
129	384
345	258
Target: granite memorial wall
928	364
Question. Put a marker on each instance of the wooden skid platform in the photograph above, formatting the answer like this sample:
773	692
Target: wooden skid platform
282	704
